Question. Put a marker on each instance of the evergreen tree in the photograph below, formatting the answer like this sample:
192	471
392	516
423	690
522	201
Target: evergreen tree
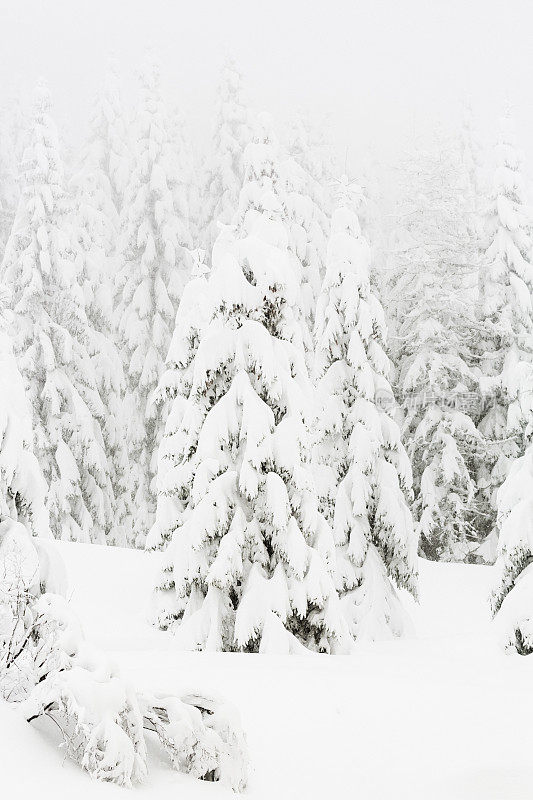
108	148
250	564
22	486
173	392
154	267
93	221
512	596
304	204
311	146
364	473
432	308
506	315
472	164
11	118
225	169
51	341
288	199
188	188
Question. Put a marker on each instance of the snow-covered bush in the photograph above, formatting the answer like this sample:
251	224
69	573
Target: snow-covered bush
512	596
251	561
103	723
364	475
28	645
46	663
202	737
97	713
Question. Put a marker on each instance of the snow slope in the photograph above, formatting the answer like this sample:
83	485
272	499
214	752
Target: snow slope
443	714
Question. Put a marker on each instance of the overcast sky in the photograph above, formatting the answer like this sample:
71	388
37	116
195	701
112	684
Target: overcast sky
382	68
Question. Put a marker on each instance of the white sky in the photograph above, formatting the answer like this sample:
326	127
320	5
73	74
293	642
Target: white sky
383	68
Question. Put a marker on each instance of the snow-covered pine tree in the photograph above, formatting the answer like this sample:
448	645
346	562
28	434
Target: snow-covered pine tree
363	472
93	220
108	147
506	315
472	164
311	146
306	203
173	392
250	565
51	340
225	167
189	170
13	122
432	305
22	486
375	219
512	597
8	186
155	264
293	190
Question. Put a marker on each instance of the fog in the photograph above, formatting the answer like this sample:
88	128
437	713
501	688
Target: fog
383	69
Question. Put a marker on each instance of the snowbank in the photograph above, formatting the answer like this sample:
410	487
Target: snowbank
442	715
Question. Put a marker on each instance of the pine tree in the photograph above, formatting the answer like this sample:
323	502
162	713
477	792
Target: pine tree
22	486
311	146
51	340
472	164
506	316
432	308
188	167
250	564
108	148
364	473
154	268
93	220
512	596
173	392
10	154
305	204
287	199
225	169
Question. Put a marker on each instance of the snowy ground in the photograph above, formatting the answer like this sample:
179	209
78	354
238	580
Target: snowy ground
444	714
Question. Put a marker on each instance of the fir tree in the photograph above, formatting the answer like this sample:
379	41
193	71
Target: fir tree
472	163
304	204
225	168
512	595
154	268
364	473
51	340
311	146
187	192
173	393
11	148
108	149
22	486
93	221
506	316
432	309
250	564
